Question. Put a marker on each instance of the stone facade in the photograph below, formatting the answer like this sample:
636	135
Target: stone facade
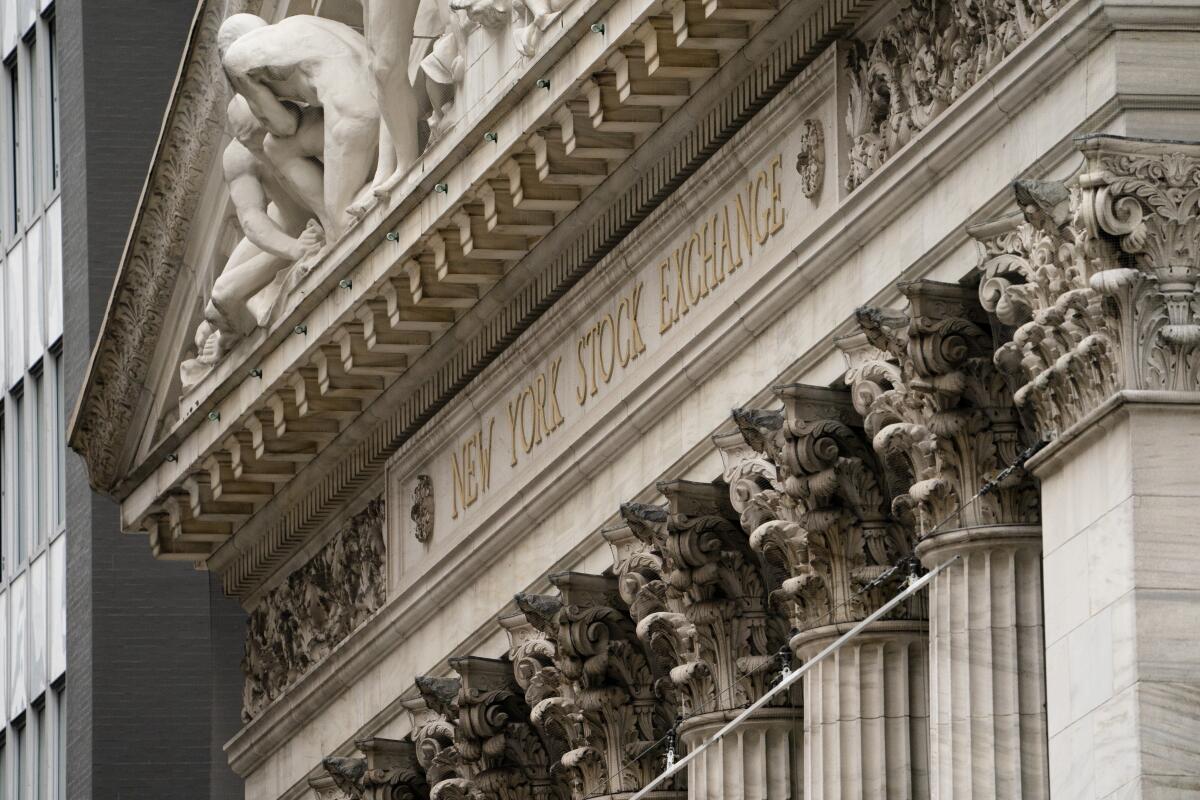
940	260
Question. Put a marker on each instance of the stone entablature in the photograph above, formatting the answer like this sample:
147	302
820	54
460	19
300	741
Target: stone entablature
553	144
649	246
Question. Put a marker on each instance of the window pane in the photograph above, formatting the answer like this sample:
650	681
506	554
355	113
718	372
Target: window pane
20	468
32	165
42	775
18	768
59	420
60	744
52	61
14	146
37	460
4	461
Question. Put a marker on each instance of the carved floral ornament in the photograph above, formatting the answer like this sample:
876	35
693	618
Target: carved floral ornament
422	510
927	57
296	625
810	162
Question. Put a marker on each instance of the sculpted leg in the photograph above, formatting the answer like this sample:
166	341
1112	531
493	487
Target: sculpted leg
296	159
237	284
388	26
350	145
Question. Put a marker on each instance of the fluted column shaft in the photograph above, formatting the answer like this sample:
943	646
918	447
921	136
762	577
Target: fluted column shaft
759	760
987	664
866	713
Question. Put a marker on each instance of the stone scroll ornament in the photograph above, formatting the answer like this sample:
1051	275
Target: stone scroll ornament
297	624
927	57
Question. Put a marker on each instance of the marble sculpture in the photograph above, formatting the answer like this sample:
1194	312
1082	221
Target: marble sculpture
324	122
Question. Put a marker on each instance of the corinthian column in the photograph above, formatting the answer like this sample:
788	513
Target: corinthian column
1098	289
820	514
941	418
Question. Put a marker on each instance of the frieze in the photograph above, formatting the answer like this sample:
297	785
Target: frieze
298	623
922	61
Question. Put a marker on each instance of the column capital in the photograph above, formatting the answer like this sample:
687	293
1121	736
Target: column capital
603	706
708	617
1098	283
940	415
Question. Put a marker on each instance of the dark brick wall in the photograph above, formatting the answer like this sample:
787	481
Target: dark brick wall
152	649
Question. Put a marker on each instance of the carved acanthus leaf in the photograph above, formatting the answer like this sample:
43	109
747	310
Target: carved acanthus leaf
1100	281
941	416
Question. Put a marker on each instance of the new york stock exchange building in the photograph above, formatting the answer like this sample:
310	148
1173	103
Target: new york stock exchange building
723	399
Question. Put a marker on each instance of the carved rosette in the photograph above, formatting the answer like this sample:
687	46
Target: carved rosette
421	512
927	57
940	414
297	624
1099	284
810	162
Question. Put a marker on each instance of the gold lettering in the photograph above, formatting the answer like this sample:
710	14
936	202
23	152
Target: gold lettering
593	337
606	373
622	355
556	412
709	254
459	486
514	412
485	456
696	244
528	441
472	484
745	237
473	473
778	213
665	318
581	389
728	254
761	235
680	287
540	393
635	333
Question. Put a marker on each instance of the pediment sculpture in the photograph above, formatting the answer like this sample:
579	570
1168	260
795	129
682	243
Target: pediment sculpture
324	121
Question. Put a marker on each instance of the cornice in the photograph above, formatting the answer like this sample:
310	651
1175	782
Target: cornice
154	249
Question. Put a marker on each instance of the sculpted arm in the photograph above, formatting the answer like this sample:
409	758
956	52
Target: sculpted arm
244	71
250	201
